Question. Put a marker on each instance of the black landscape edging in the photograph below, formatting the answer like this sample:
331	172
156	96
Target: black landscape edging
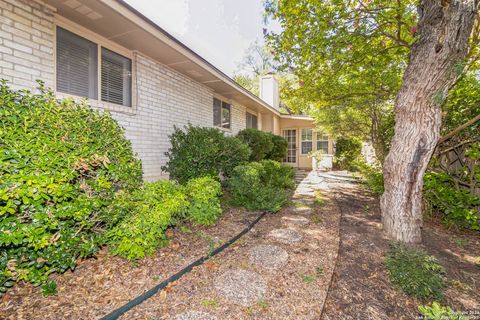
115	314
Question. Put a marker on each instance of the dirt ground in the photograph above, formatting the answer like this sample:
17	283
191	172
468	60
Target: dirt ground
336	272
360	287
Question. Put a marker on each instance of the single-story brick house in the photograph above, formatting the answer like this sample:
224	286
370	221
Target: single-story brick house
121	61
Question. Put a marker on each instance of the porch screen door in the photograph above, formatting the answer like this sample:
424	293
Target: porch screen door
291	136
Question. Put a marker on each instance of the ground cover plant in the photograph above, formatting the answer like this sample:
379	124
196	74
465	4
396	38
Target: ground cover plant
61	164
197	152
261	185
415	272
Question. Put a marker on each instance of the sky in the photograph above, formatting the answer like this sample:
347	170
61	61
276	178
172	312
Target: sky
218	30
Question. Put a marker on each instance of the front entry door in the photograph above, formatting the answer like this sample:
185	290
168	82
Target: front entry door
291	136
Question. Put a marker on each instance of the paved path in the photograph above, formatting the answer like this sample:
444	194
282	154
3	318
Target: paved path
280	270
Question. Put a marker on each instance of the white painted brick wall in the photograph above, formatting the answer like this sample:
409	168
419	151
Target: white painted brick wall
26	43
164	97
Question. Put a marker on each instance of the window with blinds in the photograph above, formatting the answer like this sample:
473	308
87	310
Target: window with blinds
76	65
116	78
252	121
221	114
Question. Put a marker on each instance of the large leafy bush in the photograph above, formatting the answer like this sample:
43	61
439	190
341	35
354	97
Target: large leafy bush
459	206
347	152
259	142
260	185
155	207
197	152
415	272
279	149
204	197
61	164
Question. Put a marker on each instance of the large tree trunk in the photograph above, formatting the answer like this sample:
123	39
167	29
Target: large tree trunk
436	60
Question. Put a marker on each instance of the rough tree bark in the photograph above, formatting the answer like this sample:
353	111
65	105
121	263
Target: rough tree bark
435	61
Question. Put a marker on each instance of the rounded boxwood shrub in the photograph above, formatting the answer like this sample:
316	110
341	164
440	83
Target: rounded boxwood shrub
260	185
61	164
259	142
279	149
204	200
198	152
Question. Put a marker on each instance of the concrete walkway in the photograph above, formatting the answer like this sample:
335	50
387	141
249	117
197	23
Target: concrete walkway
281	269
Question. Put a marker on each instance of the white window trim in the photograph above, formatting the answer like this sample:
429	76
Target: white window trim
100	42
301	140
320	134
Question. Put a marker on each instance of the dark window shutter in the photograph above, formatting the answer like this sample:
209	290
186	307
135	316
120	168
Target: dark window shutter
116	78
76	65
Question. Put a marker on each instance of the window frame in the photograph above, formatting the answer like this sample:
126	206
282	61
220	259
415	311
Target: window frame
101	42
302	140
323	136
223	105
252	116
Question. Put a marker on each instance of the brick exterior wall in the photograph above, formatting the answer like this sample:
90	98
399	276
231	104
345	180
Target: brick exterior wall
26	43
163	97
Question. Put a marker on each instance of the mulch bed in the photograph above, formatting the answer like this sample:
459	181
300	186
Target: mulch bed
100	285
360	287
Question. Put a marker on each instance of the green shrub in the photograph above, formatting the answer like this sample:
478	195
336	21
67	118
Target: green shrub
279	149
259	142
438	312
204	197
198	152
155	207
372	176
347	152
415	272
260	186
278	175
234	152
61	164
459	207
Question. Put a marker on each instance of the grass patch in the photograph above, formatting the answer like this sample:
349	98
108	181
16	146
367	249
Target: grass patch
49	288
415	272
461	242
319	198
308	278
263	304
209	303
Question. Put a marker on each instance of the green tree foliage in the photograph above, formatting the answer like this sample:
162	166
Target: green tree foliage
197	152
259	142
61	165
260	185
349	57
347	151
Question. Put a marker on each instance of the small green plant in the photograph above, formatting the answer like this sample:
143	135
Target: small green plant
439	312
415	272
461	242
156	278
49	288
308	278
209	303
319	198
347	152
263	304
204	200
372	176
185	229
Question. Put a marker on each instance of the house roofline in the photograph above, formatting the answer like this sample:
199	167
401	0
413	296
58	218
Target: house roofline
224	77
